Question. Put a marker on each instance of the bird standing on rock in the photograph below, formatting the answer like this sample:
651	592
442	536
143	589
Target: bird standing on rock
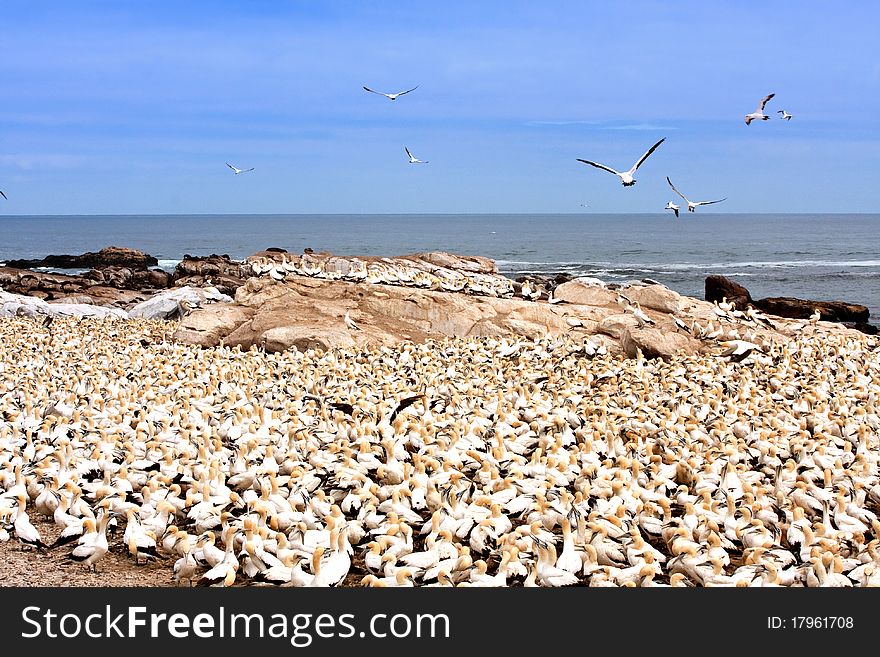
349	322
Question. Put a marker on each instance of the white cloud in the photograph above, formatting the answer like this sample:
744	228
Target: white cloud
29	161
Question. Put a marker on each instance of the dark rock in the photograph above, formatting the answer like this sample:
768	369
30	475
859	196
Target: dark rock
830	311
864	327
718	287
107	257
276	249
219	271
151	278
548	281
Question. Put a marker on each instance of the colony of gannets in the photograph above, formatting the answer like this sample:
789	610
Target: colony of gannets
384	272
467	462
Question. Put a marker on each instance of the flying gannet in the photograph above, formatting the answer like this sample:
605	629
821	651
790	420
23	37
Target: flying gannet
672	206
758	115
412	159
692	205
785	115
626	177
237	170
391	96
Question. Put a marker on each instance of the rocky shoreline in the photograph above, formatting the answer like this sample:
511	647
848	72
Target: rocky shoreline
276	300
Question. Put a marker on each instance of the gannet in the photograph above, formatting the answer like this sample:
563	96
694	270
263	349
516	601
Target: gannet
349	322
391	96
238	171
785	115
626	177
672	206
758	115
414	160
692	205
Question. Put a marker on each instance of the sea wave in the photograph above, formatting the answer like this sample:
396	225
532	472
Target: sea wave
685	266
168	265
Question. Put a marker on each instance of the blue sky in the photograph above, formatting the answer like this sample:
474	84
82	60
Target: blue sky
131	107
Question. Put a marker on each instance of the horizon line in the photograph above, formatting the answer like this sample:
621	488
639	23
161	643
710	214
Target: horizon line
407	214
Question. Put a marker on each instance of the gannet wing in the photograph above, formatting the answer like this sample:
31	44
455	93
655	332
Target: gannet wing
645	156
675	190
764	102
710	202
599	166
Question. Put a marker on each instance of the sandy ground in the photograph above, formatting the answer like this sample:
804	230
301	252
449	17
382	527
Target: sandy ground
26	566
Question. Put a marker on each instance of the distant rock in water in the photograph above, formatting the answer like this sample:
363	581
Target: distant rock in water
111	256
854	315
831	311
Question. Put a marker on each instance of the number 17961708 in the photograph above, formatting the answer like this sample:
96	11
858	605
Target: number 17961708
810	622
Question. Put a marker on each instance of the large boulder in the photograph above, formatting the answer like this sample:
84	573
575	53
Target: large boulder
656	297
208	326
718	288
656	343
176	302
305	312
585	293
617	325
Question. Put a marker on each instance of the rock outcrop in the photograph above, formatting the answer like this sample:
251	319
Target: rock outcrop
219	271
111	256
720	287
305	312
852	314
830	311
177	302
19	304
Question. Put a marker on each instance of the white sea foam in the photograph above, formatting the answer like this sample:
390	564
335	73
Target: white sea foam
686	266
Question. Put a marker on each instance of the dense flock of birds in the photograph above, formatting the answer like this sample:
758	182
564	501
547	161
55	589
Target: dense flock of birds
464	462
389	272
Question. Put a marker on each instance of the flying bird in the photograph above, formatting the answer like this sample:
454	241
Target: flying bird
238	171
672	206
414	160
692	205
758	114
785	115
391	96
626	177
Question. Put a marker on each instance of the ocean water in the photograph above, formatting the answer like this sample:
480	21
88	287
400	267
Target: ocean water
810	256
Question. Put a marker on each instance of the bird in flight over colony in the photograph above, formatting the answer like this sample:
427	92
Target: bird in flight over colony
391	96
692	205
626	177
412	159
237	171
758	114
